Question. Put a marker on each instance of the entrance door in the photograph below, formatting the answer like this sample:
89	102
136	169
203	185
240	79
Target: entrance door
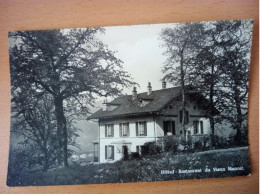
125	153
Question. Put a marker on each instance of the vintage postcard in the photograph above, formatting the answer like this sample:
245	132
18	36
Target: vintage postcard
129	103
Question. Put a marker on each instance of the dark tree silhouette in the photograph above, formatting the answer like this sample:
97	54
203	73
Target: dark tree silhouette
235	43
33	120
214	57
73	66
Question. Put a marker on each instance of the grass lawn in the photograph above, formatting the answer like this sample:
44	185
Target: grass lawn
146	169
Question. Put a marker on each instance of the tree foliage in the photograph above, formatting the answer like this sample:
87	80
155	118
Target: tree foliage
214	58
72	66
182	43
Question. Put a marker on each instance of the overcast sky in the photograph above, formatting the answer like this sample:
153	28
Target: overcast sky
139	48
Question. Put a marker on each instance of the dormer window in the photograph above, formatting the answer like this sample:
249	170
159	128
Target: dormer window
144	102
107	106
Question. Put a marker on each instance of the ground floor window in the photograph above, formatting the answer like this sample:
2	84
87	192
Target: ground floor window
109	152
201	127
140	149
198	125
169	127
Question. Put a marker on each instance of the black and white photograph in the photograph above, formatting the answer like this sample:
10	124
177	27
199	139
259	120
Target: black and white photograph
122	104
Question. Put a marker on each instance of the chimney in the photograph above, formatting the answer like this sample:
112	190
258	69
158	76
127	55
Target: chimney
104	105
149	88
163	84
134	93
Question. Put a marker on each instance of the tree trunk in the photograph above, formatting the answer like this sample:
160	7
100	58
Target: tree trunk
183	99
62	131
46	163
211	101
239	115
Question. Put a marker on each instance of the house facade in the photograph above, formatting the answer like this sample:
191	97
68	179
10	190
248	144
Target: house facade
128	122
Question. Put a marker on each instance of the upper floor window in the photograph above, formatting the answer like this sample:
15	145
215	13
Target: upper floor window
124	129
141	129
109	130
186	117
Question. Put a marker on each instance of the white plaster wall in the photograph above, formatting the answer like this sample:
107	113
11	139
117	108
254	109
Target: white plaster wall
135	140
154	129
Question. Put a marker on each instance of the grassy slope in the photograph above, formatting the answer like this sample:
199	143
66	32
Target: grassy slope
147	169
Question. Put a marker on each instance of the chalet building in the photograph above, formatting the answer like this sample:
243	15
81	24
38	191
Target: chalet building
130	121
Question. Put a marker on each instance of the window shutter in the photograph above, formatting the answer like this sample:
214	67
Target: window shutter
201	127
180	116
105	130
165	128
173	128
112	130
136	128
186	117
105	152
145	129
120	130
112	152
128	130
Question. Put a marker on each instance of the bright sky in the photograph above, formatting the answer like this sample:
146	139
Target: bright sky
139	48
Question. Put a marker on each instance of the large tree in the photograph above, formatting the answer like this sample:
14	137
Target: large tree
73	66
33	122
182	43
207	76
217	64
235	44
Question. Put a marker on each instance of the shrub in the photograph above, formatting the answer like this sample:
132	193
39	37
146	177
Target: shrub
198	146
221	142
170	144
206	142
135	155
150	148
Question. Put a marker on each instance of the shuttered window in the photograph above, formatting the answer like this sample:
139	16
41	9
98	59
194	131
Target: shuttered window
186	117
109	152
141	129
109	130
124	130
196	127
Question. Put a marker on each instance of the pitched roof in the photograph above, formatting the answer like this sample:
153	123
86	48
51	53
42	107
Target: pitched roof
127	106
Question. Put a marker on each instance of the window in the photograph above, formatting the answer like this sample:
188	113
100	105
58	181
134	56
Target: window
141	129
124	130
109	130
201	127
144	102
140	149
109	152
196	127
169	127
186	117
